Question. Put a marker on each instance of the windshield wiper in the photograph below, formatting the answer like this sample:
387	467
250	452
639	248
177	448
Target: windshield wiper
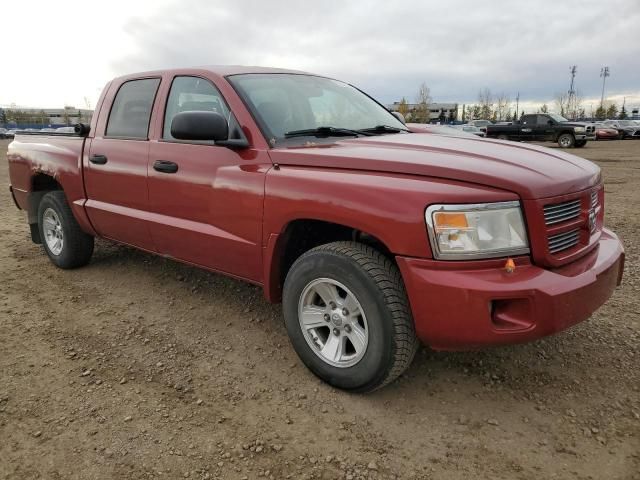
383	129
325	132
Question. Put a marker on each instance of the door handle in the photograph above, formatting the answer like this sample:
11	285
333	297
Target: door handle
165	166
98	159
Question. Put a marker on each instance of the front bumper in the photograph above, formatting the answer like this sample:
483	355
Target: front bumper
461	306
588	136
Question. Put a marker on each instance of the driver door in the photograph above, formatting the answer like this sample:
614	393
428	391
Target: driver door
545	130
205	199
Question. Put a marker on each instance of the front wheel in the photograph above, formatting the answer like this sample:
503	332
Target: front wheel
348	317
566	140
65	243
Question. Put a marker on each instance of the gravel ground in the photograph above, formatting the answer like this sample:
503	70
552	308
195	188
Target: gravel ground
139	367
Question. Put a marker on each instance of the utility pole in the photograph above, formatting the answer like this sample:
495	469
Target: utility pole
517	103
570	101
604	73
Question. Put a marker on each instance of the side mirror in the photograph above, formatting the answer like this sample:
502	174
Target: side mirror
203	126
399	116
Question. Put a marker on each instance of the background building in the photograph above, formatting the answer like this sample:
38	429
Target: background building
16	117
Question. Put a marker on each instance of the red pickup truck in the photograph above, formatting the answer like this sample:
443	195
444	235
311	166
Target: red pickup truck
373	236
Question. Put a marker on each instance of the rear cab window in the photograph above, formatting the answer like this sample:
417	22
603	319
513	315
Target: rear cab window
131	109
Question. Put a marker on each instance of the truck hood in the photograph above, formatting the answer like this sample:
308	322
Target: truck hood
530	171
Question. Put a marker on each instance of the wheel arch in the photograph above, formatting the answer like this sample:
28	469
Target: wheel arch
301	235
41	184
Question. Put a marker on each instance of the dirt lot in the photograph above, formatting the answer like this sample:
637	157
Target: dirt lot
138	367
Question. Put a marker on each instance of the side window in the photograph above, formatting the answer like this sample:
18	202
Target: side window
131	109
543	120
192	94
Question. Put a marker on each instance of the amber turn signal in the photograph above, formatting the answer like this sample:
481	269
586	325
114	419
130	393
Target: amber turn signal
510	266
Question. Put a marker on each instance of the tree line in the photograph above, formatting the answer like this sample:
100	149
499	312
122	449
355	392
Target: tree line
499	108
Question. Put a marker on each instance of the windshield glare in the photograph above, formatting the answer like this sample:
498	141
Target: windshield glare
284	103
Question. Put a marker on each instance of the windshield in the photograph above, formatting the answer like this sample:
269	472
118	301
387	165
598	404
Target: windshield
557	118
285	103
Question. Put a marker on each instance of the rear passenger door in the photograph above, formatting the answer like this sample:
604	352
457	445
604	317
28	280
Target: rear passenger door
115	171
527	127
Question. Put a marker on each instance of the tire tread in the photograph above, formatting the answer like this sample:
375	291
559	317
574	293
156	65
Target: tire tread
387	277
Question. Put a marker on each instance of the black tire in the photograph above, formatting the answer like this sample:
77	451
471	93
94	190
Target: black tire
621	135
377	284
503	137
77	247
566	140
580	143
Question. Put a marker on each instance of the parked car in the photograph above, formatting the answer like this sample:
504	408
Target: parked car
9	133
481	124
626	128
372	236
604	132
469	129
65	130
545	127
3	133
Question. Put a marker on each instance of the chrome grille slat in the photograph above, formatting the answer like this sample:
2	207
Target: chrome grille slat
560	243
560	206
563	241
559	217
562	212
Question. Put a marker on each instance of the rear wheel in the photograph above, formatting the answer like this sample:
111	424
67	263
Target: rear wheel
65	243
503	137
348	317
566	140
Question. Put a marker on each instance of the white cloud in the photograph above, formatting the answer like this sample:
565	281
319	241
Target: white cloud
386	48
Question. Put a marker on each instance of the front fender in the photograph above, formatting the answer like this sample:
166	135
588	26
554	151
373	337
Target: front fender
388	206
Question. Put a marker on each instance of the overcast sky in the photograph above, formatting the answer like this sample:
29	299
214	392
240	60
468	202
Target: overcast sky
55	54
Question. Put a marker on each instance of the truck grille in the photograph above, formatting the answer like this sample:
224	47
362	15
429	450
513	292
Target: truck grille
570	223
590	129
564	241
562	212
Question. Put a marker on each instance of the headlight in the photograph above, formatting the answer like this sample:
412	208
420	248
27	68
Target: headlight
578	129
485	230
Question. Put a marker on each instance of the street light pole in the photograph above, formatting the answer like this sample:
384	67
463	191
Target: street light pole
604	73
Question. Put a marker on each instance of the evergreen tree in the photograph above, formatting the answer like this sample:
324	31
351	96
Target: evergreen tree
623	113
